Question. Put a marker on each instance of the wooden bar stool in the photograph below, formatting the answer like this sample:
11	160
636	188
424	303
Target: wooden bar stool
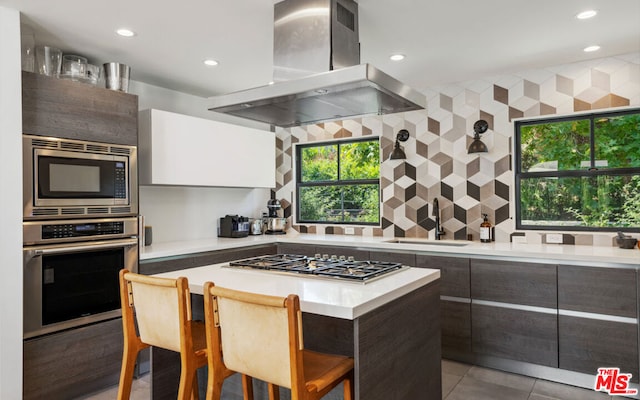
161	310
261	336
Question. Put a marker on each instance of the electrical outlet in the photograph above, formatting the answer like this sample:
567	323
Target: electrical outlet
349	231
554	238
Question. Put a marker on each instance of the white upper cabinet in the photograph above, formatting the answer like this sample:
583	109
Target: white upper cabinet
177	149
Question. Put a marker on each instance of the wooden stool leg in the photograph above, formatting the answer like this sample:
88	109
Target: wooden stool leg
274	391
348	388
129	357
247	387
195	394
186	388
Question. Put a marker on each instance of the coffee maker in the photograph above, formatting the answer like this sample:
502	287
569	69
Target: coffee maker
274	223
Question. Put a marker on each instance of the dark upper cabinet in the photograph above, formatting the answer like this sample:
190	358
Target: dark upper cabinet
73	110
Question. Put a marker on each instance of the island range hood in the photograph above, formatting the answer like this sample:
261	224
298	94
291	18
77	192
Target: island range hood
317	72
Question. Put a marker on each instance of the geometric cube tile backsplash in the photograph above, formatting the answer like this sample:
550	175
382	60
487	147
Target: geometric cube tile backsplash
437	164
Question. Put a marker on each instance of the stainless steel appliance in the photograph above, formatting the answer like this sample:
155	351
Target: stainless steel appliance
233	226
321	266
316	53
65	178
257	226
274	224
71	271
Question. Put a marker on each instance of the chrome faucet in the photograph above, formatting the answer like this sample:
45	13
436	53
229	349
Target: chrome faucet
436	213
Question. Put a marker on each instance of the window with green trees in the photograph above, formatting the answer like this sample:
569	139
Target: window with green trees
579	173
338	182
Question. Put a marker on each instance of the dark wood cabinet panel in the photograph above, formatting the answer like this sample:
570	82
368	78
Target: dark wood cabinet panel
608	291
158	266
456	329
151	267
295	248
515	334
530	284
408	328
73	363
221	256
586	344
73	110
454	273
404	258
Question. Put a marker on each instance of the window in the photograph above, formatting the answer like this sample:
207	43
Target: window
338	182
580	172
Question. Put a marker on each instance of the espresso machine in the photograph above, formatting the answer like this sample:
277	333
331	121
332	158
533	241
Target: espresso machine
274	223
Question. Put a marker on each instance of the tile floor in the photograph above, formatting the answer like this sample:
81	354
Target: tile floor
459	382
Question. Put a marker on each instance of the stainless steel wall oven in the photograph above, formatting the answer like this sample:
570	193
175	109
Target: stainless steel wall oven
71	271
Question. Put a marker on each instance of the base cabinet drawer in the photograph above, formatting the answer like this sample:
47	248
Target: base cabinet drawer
532	284
610	291
456	329
455	278
515	334
588	344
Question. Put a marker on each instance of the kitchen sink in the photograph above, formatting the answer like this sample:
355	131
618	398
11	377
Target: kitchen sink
429	242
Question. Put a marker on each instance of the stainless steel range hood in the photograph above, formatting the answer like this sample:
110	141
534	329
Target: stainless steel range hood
317	73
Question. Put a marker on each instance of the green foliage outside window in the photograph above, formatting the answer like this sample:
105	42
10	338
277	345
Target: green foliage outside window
338	182
582	172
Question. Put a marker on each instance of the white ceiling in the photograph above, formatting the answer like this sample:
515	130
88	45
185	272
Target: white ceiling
444	41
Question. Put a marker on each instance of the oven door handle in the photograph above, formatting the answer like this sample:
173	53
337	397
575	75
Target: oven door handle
65	248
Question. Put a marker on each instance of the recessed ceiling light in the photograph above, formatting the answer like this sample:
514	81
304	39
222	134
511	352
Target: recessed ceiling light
397	57
589	49
125	32
210	63
587	14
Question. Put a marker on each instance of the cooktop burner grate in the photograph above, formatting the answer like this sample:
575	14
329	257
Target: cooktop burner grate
361	271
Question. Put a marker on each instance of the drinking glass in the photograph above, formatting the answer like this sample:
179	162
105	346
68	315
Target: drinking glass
48	60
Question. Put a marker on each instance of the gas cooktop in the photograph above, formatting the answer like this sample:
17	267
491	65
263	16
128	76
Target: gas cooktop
321	266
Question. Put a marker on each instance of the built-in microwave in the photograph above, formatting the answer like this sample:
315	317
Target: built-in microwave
64	178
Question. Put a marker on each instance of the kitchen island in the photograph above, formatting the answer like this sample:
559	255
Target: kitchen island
391	326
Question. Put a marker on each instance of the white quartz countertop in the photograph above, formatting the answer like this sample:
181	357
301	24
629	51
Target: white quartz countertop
548	252
330	297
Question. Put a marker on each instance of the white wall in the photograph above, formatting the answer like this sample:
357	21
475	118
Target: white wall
10	207
186	213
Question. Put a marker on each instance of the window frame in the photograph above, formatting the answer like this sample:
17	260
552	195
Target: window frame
339	182
592	171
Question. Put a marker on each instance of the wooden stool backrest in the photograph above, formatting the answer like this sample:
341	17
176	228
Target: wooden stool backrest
161	307
257	335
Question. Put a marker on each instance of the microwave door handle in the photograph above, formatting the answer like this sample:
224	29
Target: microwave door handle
90	246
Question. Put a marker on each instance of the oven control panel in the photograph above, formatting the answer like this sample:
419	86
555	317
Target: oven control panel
59	231
38	232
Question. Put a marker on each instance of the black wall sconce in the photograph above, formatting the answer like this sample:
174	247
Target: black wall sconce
398	152
477	146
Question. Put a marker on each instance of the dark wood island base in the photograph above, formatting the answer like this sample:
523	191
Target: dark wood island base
396	348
